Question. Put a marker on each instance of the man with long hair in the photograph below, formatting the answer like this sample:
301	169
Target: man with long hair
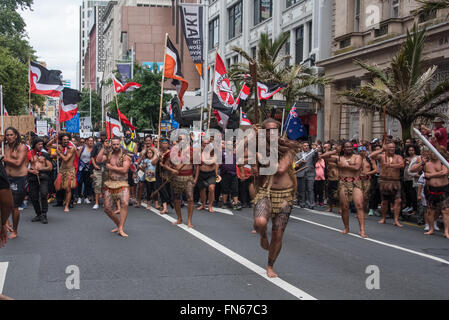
275	195
116	187
16	169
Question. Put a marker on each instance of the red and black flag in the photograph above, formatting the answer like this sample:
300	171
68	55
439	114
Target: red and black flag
113	127
172	70
119	87
223	97
43	81
125	120
266	91
68	105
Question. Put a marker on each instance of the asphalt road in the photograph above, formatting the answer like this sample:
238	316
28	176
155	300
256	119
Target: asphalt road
219	259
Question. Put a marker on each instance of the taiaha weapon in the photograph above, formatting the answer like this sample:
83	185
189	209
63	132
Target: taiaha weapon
165	183
304	157
431	147
301	169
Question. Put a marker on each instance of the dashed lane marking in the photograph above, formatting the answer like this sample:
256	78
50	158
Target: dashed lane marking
298	293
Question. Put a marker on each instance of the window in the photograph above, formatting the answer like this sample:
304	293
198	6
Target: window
287	53
291	2
395	8
228	63
263	10
254	52
427	17
299	57
357	16
345	43
235	20
310	35
214	33
235	59
383	30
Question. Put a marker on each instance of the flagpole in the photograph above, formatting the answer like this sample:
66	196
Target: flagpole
283	118
162	93
29	84
213	90
206	57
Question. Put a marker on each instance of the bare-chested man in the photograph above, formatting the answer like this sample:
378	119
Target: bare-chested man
66	152
390	179
436	190
274	198
206	175
350	187
15	162
183	181
116	187
369	168
331	159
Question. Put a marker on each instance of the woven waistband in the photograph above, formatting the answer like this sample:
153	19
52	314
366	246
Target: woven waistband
350	179
185	173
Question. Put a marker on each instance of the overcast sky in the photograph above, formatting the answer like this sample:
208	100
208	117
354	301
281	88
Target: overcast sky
53	31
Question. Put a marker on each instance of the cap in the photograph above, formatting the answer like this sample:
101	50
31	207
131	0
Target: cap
438	119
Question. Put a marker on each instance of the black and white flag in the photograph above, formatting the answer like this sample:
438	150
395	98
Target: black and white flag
192	25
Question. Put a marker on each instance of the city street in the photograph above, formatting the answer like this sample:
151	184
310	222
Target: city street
220	259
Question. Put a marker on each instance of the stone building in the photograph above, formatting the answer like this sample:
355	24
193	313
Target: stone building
373	31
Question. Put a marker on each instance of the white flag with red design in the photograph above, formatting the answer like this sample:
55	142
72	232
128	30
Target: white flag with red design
113	127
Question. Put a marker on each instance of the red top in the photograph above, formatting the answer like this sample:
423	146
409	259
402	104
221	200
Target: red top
441	136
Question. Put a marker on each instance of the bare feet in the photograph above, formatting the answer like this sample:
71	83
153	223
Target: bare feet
382	221
164	212
345	231
117	212
211	210
122	233
329	209
66	210
12	235
254	232
190	225
446	235
363	234
201	208
271	273
115	230
397	224
9	228
178	222
264	241
429	233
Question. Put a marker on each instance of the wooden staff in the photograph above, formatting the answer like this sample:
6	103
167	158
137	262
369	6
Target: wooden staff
162	93
29	83
165	183
385	122
211	98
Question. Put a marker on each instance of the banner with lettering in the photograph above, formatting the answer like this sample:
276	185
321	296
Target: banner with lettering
192	25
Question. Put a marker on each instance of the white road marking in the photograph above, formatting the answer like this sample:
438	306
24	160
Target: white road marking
3	269
225	211
298	293
428	256
319	212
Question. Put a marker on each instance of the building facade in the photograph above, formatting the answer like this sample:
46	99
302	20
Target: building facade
140	27
88	14
241	22
373	31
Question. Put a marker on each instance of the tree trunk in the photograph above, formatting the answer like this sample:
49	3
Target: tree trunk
406	130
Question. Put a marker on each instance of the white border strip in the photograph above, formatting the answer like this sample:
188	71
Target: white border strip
428	256
298	293
3	269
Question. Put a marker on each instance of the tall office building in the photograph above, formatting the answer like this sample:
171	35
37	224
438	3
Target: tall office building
240	23
87	18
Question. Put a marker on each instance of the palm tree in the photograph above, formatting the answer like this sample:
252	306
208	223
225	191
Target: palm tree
272	67
430	6
403	88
